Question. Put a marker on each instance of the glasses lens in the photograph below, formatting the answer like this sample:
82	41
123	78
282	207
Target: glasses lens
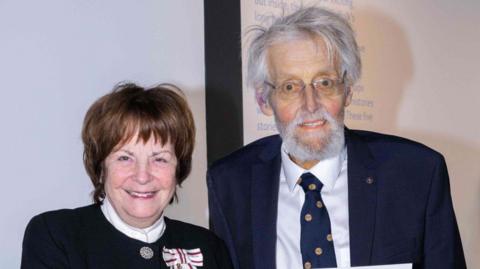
326	86
326	83
291	88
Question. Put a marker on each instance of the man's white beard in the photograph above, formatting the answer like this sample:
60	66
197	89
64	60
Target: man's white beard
326	143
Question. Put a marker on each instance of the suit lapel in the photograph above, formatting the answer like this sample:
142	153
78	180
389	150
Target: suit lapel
362	198
265	185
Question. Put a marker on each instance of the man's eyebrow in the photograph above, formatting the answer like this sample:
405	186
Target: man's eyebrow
327	72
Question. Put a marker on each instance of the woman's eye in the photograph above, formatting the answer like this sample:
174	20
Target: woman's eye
161	160
123	158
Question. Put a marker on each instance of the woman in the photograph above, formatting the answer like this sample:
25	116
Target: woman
138	146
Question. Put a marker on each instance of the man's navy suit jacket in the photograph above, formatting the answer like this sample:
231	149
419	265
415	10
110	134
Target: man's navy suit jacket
400	207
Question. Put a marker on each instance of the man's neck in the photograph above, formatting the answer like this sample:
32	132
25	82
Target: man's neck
304	164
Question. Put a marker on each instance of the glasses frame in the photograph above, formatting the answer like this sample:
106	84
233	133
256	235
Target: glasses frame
336	83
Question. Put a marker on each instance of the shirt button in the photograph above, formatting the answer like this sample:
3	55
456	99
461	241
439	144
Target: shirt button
319	204
318	251
307	265
308	217
329	237
369	180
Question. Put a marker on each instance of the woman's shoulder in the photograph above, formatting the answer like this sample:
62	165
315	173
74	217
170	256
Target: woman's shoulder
63	219
51	234
179	231
178	227
61	215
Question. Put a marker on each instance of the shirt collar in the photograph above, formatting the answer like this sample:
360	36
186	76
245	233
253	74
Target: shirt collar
326	170
147	235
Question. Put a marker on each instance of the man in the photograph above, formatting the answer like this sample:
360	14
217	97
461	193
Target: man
320	195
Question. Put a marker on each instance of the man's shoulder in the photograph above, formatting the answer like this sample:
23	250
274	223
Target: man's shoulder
249	154
380	143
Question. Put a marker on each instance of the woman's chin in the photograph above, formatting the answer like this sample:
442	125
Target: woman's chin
143	217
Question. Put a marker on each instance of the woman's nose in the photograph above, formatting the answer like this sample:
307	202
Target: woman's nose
142	174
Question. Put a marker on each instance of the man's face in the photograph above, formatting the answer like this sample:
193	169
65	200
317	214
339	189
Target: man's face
311	121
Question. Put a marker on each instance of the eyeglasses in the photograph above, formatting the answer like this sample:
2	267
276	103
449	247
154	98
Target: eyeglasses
323	86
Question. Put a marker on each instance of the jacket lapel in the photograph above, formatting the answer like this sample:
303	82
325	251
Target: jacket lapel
265	186
362	198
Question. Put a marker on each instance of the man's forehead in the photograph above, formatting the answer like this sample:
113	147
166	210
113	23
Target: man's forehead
305	41
295	53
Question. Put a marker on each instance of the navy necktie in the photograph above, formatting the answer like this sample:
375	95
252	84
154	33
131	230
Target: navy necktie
316	242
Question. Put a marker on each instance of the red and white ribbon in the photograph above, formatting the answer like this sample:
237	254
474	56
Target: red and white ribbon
177	258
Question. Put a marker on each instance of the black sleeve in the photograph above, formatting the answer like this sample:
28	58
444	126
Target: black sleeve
40	250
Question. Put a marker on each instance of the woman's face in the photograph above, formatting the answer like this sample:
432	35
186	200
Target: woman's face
140	180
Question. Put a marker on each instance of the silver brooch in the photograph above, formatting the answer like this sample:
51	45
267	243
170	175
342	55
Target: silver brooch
146	253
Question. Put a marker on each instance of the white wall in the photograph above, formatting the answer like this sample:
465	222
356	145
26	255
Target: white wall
56	58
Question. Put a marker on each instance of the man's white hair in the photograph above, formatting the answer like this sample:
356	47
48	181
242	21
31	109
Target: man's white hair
306	22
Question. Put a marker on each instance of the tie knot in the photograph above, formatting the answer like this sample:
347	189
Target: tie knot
310	183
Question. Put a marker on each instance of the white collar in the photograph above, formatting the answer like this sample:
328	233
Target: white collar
326	170
147	235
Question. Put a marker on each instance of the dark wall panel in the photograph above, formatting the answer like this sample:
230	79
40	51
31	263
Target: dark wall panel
223	77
